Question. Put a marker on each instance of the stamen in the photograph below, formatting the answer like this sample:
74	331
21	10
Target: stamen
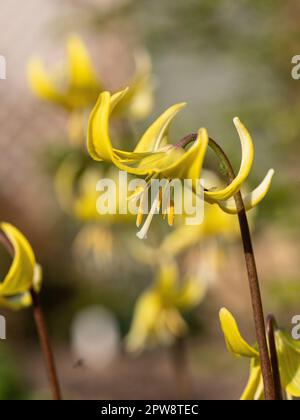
140	216
142	234
171	214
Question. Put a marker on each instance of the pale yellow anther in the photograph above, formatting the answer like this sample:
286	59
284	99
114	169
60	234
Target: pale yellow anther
139	218
171	214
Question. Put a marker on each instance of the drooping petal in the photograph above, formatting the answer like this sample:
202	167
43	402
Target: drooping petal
20	277
81	71
246	165
42	84
250	200
98	142
137	163
289	362
234	341
254	388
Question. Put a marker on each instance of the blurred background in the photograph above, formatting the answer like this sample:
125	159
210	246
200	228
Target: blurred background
223	58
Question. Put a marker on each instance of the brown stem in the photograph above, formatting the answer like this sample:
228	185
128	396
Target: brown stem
256	299
45	346
255	292
180	362
41	327
271	326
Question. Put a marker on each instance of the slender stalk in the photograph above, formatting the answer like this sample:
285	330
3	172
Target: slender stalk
42	330
255	292
181	369
271	327
45	346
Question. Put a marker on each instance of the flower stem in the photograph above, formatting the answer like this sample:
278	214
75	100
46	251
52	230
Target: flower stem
181	369
271	326
257	307
258	313
45	346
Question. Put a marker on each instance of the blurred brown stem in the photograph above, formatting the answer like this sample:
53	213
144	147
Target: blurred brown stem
255	292
181	369
45	346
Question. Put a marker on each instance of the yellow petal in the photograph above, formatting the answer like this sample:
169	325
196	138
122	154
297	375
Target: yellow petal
234	341
145	317
41	82
246	165
188	166
192	293
81	71
167	278
254	388
23	300
251	200
98	142
289	362
156	135
20	277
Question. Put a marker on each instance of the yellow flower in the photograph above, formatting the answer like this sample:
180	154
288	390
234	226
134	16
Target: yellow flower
75	188
24	272
155	158
288	352
158	313
75	86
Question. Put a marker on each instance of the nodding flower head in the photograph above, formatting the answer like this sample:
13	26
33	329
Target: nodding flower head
158	313
73	86
155	158
24	273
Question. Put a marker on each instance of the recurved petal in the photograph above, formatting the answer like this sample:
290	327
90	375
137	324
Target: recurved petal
246	165
98	141
20	277
156	135
234	341
81	70
254	387
41	82
250	200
